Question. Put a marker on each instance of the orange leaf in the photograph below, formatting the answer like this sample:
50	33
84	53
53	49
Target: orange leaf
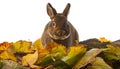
42	53
5	45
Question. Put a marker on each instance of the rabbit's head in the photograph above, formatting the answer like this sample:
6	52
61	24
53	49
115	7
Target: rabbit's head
58	27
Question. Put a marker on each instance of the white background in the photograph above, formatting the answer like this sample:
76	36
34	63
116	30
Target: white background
26	19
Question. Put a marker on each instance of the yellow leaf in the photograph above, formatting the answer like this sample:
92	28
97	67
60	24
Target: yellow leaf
37	44
59	51
5	45
74	54
56	50
53	45
103	39
75	49
22	46
30	59
51	51
7	55
42	53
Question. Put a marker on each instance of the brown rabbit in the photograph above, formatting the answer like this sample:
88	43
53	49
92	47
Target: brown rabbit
59	29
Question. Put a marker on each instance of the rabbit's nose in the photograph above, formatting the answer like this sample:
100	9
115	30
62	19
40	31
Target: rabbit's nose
61	33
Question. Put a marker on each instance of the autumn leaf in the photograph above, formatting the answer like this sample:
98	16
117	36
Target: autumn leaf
52	45
87	58
103	39
59	64
99	63
50	53
37	44
5	45
10	64
22	46
43	55
57	56
74	54
58	51
30	59
1	64
47	60
112	52
7	55
62	63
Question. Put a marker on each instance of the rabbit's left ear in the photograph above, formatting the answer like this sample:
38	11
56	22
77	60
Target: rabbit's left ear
51	11
66	10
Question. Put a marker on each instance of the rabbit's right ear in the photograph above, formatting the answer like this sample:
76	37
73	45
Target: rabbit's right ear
51	11
66	10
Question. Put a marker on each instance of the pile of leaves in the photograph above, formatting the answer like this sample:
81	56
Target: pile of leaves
90	54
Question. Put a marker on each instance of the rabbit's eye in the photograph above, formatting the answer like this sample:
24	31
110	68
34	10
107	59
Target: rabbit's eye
53	24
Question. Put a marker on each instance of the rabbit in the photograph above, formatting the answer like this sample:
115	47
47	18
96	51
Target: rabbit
59	29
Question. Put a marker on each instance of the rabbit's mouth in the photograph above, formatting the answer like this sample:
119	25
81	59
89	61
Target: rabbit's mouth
59	35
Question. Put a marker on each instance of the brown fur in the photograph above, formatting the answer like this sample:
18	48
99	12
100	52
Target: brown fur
59	29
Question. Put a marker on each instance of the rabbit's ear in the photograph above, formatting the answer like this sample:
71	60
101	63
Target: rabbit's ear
51	11
66	10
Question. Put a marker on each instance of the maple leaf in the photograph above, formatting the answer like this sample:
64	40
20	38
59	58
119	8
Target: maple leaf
5	45
5	52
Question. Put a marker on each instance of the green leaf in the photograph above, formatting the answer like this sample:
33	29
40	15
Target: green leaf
112	52
75	53
99	63
87	58
58	51
1	64
51	53
59	64
47	60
